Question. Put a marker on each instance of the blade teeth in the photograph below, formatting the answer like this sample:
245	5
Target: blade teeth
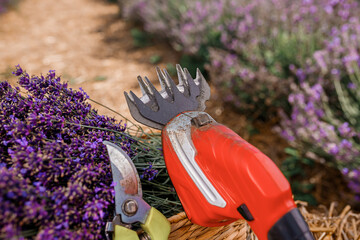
153	105
203	85
152	87
155	108
188	76
174	89
136	99
144	87
201	81
193	88
181	75
127	96
164	83
159	99
199	76
182	80
161	77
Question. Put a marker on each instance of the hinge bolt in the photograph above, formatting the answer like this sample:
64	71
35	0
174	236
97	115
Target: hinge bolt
130	207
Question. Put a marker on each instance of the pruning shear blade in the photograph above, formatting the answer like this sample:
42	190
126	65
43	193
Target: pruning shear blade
123	169
128	193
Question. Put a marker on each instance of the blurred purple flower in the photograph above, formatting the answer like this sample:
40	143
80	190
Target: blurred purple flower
301	75
318	133
351	85
344	129
320	60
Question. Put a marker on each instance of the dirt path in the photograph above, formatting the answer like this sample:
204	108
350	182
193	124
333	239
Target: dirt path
84	41
87	43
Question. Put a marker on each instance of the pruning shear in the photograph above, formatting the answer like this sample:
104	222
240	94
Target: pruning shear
130	207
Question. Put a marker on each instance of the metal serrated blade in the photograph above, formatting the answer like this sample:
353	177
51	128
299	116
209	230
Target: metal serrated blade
155	109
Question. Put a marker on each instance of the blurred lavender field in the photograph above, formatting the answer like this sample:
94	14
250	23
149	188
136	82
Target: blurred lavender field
295	60
292	66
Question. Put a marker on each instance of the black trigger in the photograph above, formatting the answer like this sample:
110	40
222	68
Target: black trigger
244	211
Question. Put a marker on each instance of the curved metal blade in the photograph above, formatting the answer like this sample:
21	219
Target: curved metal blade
127	184
123	170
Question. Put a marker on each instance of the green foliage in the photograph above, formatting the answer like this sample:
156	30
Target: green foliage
100	78
7	73
349	98
159	192
202	56
154	59
287	49
192	62
140	38
293	167
171	69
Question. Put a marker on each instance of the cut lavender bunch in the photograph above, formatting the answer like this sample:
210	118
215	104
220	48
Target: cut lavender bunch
55	175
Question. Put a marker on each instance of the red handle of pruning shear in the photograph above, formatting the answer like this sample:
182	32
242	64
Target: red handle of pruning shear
226	178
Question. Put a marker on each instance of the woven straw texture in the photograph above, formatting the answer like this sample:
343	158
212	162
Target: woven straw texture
182	228
325	224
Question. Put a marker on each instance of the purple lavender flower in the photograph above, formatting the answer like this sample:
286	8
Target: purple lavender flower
319	57
345	144
332	148
300	75
351	85
55	174
353	177
345	130
18	71
322	133
149	173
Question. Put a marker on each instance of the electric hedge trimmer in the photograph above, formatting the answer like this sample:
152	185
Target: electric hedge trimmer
218	176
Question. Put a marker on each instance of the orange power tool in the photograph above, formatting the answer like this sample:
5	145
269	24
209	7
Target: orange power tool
218	176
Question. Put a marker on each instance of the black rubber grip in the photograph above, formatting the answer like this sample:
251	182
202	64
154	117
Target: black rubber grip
291	226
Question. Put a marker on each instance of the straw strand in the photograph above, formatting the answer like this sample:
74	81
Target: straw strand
325	224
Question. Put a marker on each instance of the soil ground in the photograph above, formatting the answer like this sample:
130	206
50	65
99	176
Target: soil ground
84	41
87	43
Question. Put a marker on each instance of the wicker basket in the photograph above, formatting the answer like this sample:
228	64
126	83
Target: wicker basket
324	223
182	228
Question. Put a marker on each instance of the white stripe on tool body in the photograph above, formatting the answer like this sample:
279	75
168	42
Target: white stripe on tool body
180	136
